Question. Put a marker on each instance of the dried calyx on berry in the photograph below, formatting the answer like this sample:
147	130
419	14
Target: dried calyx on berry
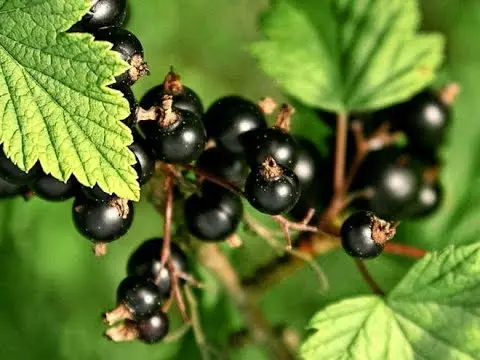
364	235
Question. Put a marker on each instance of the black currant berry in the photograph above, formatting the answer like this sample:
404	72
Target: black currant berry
177	137
272	188
229	118
105	13
49	188
102	221
429	199
228	166
364	235
154	328
140	295
184	98
145	165
424	119
274	142
14	175
145	262
9	190
130	97
213	215
96	193
130	50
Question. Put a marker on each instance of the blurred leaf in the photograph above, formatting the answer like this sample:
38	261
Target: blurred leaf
373	57
433	313
55	105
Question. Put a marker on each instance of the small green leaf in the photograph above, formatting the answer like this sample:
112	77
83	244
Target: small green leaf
54	102
359	55
433	313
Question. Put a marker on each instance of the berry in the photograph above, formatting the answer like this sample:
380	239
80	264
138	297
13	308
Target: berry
364	235
140	296
179	137
49	188
184	98
105	13
229	118
429	199
274	142
424	119
272	188
13	174
395	180
213	215
154	328
9	190
222	164
102	221
145	262
130	97
130	50
96	193
145	165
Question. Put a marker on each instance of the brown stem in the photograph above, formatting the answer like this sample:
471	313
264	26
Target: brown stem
368	278
167	221
262	334
404	250
340	152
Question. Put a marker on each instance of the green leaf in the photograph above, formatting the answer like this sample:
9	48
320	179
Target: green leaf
359	55
54	100
433	313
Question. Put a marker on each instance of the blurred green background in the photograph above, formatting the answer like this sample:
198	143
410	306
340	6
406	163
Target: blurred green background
53	290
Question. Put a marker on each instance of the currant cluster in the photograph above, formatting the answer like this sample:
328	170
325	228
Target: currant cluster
403	180
142	295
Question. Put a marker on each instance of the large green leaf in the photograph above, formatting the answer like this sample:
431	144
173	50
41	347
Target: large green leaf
54	103
360	55
433	313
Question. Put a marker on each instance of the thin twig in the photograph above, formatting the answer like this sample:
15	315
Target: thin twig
177	334
368	278
167	222
340	152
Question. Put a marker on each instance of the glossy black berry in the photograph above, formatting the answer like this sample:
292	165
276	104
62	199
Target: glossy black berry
154	328
274	142
102	221
130	50
95	193
9	190
105	13
424	119
225	165
145	165
184	98
180	141
140	296
229	118
272	188
145	262
364	235
130	97
429	199
49	188
11	173
214	214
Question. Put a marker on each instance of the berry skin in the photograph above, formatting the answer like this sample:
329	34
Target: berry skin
274	142
424	119
49	188
130	97
14	175
215	214
105	13
364	235
145	262
140	296
181	141
429	199
145	165
272	188
130	50
102	221
96	193
154	328
229	118
218	162
9	190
